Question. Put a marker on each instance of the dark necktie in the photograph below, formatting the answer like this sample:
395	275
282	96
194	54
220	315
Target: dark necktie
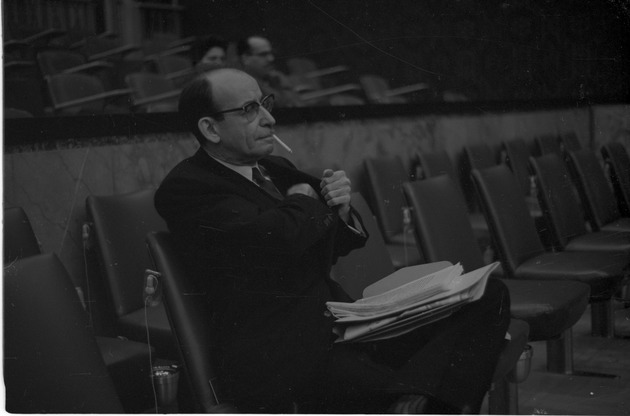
265	184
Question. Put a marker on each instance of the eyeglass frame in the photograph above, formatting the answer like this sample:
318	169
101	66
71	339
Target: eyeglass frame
242	108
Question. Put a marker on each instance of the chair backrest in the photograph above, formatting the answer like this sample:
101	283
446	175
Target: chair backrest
52	361
437	163
376	87
190	316
366	265
442	226
517	157
569	142
616	157
385	178
479	156
595	191
561	207
120	224
146	84
69	87
511	225
18	236
55	61
548	143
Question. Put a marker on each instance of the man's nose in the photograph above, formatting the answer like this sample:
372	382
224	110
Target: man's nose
266	118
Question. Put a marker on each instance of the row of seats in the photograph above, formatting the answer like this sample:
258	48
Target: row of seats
59	74
439	218
516	228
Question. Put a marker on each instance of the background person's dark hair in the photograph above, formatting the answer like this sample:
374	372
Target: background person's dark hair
196	102
243	47
204	44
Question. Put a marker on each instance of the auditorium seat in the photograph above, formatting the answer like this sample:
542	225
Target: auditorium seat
385	176
152	92
475	156
73	94
523	255
52	363
107	48
190	316
377	90
126	361
618	163
176	68
117	226
569	142
564	215
364	266
57	61
438	163
548	143
596	192
551	308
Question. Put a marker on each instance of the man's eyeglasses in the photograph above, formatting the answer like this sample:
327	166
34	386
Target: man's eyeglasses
251	110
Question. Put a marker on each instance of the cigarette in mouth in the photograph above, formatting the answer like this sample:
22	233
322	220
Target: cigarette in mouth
283	144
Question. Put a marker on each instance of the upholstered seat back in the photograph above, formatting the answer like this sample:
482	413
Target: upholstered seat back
441	222
190	316
52	361
508	216
565	218
120	225
618	161
18	237
595	190
364	266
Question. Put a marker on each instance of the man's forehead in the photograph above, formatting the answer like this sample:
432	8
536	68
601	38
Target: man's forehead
257	43
234	88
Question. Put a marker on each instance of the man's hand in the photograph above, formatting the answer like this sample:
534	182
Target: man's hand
304	189
336	189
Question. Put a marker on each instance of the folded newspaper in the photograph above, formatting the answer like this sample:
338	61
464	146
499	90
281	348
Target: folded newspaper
407	299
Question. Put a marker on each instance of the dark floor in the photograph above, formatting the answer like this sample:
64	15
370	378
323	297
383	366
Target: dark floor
547	393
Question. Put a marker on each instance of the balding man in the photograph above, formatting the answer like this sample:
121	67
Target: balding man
259	237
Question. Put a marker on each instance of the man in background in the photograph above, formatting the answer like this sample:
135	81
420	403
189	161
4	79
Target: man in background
257	59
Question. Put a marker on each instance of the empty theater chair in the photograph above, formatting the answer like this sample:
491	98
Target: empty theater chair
385	177
117	226
551	308
524	257
618	162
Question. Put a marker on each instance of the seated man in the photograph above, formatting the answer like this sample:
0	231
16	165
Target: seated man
259	237
257	59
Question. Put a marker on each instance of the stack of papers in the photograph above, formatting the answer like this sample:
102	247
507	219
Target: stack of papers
408	299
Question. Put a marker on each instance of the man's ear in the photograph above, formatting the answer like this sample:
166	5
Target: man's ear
206	126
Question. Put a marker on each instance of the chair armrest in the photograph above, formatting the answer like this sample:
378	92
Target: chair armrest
182	42
180	73
155	98
326	71
326	92
90	66
113	52
46	34
167	52
85	100
406	89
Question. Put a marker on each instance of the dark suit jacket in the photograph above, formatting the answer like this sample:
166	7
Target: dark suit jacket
264	264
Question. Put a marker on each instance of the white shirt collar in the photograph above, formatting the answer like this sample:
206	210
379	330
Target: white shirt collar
244	170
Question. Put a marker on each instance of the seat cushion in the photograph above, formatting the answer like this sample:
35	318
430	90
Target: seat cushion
549	307
133	326
519	335
620	224
608	241
601	271
128	365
